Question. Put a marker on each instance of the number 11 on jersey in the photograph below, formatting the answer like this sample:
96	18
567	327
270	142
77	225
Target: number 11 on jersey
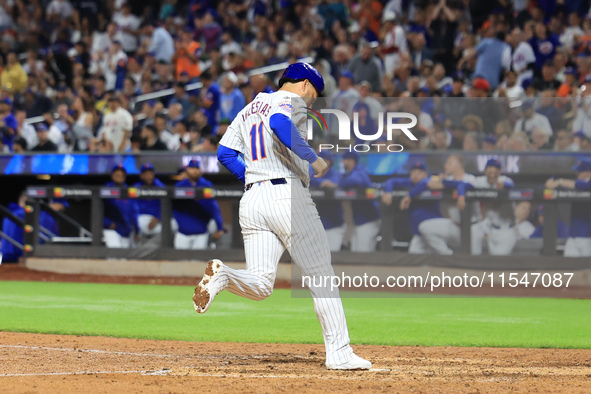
253	142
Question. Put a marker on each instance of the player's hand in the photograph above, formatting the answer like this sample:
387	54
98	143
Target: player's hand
405	203
153	223
387	198
552	183
218	234
500	185
320	167
461	203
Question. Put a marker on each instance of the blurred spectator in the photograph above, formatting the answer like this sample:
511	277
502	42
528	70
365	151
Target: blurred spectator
194	216
561	227
525	228
161	42
121	215
547	81
366	214
117	125
544	44
149	213
181	97
365	66
54	132
493	57
171	141
127	28
151	140
187	54
211	96
10	252
8	123
83	126
583	141
394	43
531	120
231	99
13	78
579	242
20	146
510	88
345	97
565	141
45	144
523	59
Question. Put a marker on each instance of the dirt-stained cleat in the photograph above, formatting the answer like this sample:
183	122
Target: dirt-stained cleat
206	291
356	363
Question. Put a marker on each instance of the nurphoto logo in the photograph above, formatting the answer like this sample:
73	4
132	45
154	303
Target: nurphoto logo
344	125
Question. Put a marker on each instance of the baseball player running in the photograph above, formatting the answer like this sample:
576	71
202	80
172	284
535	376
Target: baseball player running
276	210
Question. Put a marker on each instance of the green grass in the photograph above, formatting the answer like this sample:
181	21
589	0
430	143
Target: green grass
166	312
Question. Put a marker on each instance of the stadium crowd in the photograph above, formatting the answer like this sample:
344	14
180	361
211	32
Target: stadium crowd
85	65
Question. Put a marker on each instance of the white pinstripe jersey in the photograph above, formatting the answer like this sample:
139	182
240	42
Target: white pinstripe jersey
265	156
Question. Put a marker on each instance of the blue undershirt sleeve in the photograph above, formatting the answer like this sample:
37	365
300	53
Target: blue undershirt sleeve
290	136
232	160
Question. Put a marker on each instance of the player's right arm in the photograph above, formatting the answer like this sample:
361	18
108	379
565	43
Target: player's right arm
289	135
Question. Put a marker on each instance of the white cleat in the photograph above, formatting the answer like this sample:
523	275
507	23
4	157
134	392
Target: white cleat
356	363
205	291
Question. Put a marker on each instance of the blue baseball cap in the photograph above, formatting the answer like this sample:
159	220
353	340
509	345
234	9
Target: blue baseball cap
7	101
418	165
583	165
351	155
62	201
118	167
526	83
581	134
348	74
146	167
493	163
490	139
41	127
193	164
300	71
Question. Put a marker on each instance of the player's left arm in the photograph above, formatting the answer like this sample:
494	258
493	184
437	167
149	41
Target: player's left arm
289	135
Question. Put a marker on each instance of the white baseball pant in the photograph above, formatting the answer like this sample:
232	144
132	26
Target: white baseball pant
365	237
144	221
278	217
577	247
437	235
114	240
193	242
335	237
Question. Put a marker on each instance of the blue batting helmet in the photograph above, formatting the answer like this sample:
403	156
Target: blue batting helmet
299	71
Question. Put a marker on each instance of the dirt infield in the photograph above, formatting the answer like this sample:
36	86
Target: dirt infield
52	363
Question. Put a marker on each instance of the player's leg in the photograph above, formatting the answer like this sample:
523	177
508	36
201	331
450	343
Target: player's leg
199	241
436	233
584	246
417	245
571	249
365	237
309	249
477	237
335	238
502	241
262	248
182	241
112	238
